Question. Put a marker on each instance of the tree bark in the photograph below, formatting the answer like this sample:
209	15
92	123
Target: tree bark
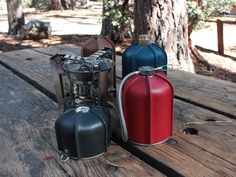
35	4
55	5
107	27
166	24
65	4
72	4
15	16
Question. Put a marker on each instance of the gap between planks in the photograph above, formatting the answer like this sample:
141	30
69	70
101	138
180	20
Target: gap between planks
165	169
29	126
147	156
176	96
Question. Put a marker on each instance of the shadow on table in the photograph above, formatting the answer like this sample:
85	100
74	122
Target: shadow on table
215	52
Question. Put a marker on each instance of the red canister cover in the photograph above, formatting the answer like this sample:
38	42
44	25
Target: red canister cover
148	108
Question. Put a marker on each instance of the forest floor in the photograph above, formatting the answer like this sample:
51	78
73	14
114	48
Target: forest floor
75	27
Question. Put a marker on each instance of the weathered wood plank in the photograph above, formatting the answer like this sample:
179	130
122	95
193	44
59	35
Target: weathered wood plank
28	142
35	64
218	138
23	151
32	64
212	137
214	146
214	93
63	49
208	92
5	71
203	90
209	152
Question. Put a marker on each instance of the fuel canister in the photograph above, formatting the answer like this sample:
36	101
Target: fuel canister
145	101
143	53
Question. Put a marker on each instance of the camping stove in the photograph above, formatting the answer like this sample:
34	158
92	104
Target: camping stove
83	80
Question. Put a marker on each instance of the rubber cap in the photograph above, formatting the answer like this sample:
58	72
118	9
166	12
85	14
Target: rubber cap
146	70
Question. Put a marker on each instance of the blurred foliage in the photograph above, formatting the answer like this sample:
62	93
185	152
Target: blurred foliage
83	2
234	4
200	10
38	4
26	3
121	17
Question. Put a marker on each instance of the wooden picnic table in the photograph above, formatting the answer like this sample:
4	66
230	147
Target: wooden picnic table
28	144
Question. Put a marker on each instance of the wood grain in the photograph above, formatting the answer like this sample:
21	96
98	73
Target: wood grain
23	151
213	93
28	142
208	92
32	64
212	151
62	49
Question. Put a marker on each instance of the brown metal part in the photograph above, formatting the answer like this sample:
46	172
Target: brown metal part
58	73
82	80
103	88
94	44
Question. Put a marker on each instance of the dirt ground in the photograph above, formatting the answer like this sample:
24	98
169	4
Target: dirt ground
68	27
84	23
222	67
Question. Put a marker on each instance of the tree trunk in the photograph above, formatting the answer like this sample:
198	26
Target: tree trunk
166	24
55	5
15	16
107	27
35	4
72	4
65	4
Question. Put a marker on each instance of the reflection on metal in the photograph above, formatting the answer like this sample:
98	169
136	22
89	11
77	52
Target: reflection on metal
80	80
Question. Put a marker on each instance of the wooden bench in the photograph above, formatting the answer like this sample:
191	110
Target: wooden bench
205	104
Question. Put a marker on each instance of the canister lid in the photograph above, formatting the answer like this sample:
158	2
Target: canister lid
144	39
83	109
146	70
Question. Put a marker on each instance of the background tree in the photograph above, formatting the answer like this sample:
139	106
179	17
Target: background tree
35	4
15	16
55	5
117	19
164	21
62	4
166	24
198	12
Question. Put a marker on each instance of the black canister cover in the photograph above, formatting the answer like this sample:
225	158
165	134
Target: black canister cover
84	131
